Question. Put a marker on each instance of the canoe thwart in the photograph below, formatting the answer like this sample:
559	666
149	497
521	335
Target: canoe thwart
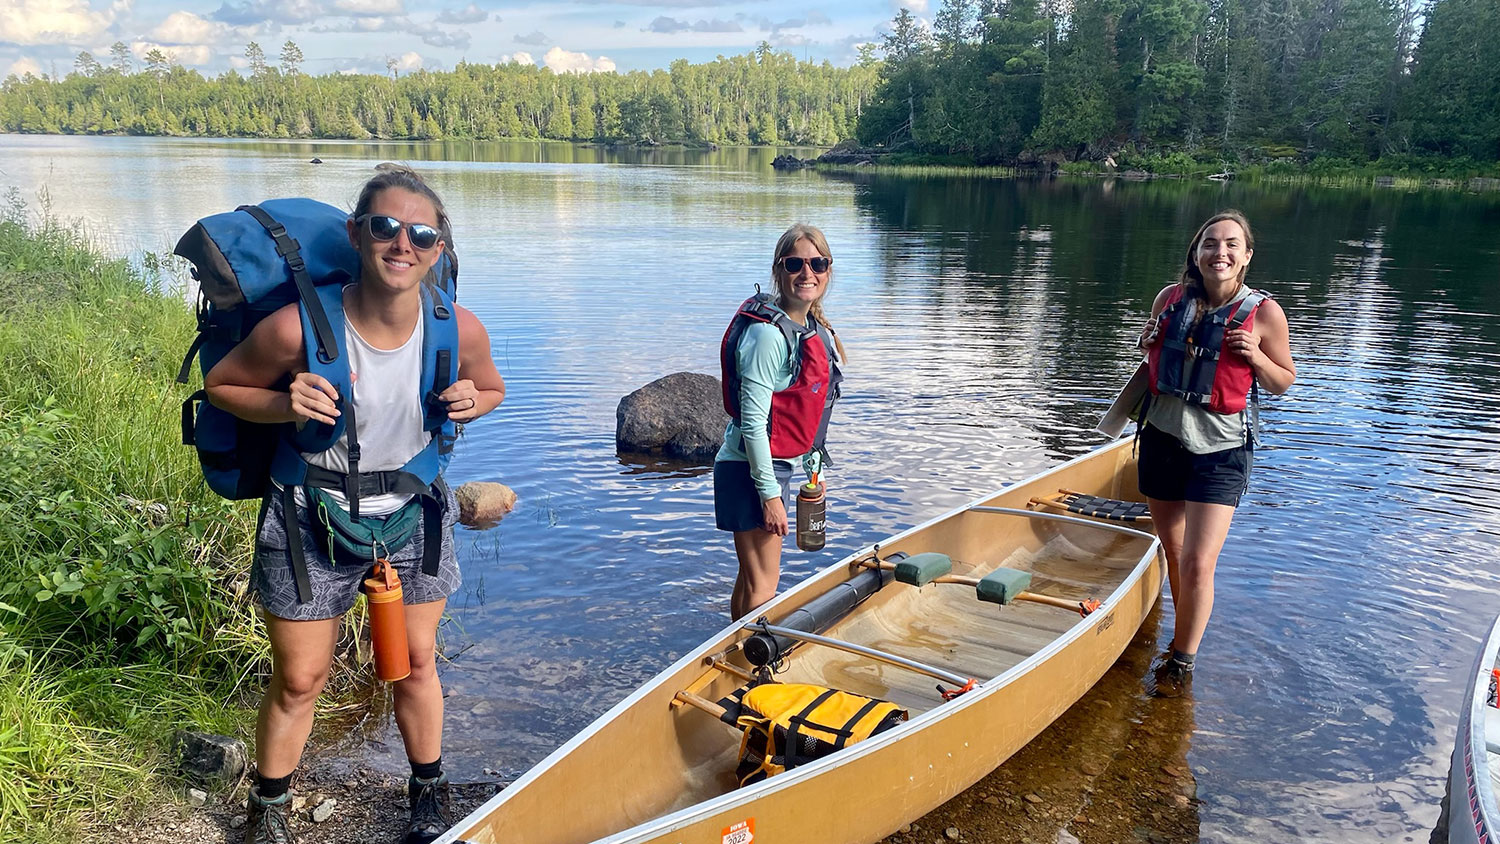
698	703
1002	585
921	569
1098	507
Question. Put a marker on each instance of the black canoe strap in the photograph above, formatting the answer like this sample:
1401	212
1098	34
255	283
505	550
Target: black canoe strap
291	251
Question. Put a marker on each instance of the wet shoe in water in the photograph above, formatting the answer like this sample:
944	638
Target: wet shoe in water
429	810
269	821
1172	678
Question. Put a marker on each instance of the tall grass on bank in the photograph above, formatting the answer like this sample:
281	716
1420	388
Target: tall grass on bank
122	578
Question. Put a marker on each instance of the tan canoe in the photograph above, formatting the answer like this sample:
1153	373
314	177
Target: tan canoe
654	770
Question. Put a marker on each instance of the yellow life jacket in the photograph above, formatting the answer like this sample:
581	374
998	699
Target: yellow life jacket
791	724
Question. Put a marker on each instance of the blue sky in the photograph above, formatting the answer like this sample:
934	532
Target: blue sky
44	36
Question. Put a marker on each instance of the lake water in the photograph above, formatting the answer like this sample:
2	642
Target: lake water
987	324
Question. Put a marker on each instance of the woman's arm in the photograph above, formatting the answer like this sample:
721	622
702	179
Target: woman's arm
243	381
763	360
479	388
1266	344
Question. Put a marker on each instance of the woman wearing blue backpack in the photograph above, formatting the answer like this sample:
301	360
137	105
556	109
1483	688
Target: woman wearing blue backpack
303	578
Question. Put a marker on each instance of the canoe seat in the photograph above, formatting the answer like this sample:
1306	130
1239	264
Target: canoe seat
922	569
1096	506
1001	586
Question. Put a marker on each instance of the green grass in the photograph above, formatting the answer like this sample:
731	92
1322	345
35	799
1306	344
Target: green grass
123	607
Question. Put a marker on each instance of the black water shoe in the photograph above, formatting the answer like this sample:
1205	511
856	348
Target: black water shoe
1172	678
269	821
429	809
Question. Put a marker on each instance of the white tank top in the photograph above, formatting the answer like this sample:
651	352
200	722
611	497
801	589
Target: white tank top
388	412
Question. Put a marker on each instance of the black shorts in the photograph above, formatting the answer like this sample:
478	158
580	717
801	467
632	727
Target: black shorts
1169	472
737	503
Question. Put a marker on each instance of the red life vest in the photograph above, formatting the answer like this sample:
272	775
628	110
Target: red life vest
799	413
1193	362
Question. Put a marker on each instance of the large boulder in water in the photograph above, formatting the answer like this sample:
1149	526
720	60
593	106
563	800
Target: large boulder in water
680	416
483	503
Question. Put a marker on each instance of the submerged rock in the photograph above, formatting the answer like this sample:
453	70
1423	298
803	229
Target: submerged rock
680	416
483	502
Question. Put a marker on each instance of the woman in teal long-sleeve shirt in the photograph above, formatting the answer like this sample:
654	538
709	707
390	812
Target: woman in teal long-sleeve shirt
782	374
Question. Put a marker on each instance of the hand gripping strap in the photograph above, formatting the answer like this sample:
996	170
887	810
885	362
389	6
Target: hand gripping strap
327	301
439	365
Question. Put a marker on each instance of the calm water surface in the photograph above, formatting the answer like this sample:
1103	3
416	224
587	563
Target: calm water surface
987	323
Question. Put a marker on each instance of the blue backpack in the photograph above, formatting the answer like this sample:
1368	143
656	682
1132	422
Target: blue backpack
248	263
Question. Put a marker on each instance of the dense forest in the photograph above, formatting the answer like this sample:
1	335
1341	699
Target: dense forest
762	97
1349	80
1156	83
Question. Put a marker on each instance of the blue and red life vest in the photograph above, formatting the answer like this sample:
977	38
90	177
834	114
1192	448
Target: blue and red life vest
799	413
1190	360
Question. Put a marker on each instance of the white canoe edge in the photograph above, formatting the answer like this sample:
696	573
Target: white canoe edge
1472	812
686	816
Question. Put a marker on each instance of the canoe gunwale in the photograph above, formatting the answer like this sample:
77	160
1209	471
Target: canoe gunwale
797	595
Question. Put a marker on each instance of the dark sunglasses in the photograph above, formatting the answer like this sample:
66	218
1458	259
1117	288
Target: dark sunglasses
793	264
382	227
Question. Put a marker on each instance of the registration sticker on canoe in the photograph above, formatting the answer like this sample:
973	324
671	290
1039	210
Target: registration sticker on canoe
741	833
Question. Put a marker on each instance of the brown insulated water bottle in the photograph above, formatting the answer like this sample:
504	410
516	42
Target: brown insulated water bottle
811	516
387	623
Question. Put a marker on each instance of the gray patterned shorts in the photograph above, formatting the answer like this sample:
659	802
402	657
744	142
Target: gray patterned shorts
334	588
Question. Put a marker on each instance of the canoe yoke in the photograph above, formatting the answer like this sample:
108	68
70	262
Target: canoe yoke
1001	586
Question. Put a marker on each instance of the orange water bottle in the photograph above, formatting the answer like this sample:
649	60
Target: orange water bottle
387	623
811	516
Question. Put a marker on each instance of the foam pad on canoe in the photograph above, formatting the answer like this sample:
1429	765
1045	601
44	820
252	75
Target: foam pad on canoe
1001	586
920	569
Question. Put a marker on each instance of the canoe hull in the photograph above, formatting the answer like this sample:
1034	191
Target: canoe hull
860	794
1471	814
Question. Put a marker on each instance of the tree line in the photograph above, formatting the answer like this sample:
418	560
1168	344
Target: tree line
1357	80
762	97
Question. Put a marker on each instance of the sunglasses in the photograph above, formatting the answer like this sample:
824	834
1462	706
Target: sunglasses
382	227
793	264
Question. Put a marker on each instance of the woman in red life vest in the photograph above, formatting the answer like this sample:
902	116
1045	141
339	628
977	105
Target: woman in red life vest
1211	342
780	367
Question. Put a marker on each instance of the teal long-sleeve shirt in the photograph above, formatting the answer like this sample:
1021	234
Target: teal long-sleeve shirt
765	366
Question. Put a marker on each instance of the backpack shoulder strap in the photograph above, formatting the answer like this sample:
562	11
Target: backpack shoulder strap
290	250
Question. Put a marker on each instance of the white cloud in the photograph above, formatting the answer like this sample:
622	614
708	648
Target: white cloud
364	8
29	22
535	39
184	54
562	61
187	28
23	66
918	6
468	14
409	62
520	57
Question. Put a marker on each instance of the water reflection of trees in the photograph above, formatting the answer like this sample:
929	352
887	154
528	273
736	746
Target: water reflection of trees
1050	278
